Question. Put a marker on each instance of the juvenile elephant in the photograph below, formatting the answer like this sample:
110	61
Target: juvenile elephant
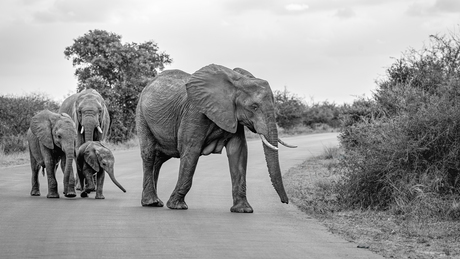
95	158
51	138
186	116
90	114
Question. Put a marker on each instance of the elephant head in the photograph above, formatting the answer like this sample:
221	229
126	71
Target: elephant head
231	97
56	131
100	159
91	116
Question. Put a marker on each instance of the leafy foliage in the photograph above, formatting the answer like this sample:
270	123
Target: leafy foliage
402	148
289	109
292	111
15	115
118	71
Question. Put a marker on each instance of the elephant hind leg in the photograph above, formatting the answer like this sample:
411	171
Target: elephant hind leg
151	164
151	172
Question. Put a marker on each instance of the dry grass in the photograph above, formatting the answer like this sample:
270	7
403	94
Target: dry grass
13	159
311	186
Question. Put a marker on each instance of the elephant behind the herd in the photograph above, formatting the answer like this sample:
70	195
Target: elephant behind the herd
186	116
89	112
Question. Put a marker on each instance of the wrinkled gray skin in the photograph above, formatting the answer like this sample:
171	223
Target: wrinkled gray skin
51	139
186	116
88	110
94	158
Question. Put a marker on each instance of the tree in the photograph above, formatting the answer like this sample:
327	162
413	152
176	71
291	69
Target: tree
289	109
118	71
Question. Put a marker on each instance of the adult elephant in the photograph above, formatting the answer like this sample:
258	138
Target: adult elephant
51	138
186	116
90	115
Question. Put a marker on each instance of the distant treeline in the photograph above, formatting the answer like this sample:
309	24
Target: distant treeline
119	71
16	112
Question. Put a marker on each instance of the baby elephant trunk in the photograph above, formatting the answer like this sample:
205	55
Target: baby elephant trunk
112	177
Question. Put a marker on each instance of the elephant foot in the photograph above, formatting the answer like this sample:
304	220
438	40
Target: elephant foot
52	195
70	195
177	204
242	207
152	203
35	193
99	196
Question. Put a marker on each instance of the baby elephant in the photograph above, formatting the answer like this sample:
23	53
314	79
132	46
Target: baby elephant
95	158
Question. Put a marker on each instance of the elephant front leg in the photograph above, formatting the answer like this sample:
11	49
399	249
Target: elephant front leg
52	183
100	185
188	162
69	179
35	171
237	153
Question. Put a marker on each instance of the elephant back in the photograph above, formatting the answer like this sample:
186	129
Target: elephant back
67	105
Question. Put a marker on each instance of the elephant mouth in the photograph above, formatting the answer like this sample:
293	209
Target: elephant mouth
82	129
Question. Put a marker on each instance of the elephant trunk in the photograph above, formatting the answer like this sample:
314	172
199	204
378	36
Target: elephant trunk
69	181
89	126
112	177
271	156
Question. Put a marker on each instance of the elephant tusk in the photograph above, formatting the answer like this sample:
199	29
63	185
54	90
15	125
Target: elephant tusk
82	130
99	129
265	141
285	144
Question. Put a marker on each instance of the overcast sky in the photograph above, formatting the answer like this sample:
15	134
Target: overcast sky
322	49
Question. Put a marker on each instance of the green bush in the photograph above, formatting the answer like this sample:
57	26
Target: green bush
15	115
402	148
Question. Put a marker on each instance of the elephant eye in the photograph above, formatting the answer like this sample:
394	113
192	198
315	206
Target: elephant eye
255	107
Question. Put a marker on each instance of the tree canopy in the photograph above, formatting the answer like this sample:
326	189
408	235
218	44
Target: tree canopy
118	71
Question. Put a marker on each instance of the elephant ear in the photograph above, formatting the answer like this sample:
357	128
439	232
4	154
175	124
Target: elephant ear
243	72
74	113
41	126
91	157
211	89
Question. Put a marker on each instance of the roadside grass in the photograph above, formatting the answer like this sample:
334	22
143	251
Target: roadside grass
17	158
312	186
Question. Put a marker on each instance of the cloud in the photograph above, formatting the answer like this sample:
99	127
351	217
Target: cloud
439	7
296	7
449	6
76	11
282	7
345	13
